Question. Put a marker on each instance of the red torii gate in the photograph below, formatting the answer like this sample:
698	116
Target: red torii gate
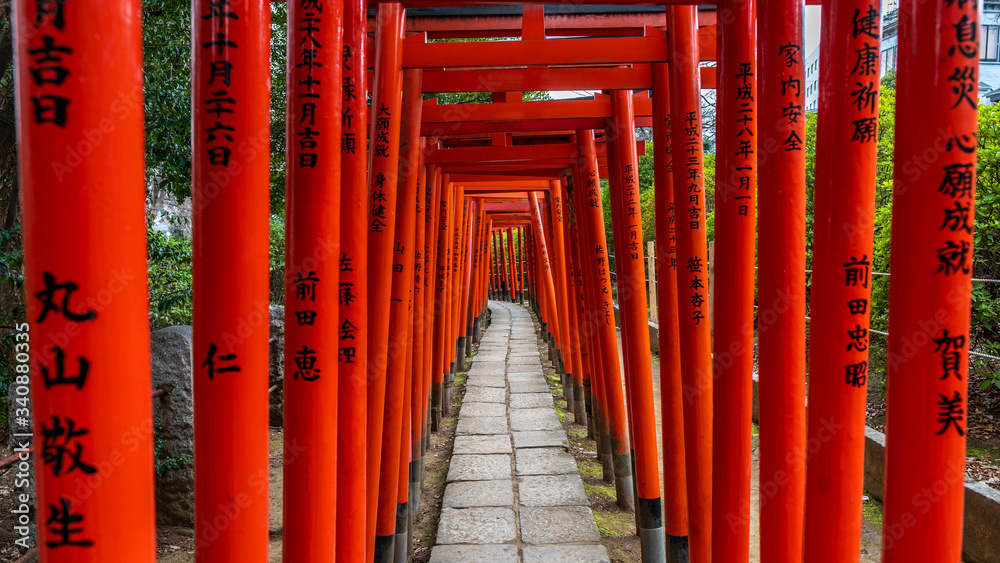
370	230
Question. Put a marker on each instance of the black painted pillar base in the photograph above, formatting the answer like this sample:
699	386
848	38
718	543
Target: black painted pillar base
624	487
402	533
677	549
460	354
579	404
435	407
446	395
414	494
568	391
385	549
607	459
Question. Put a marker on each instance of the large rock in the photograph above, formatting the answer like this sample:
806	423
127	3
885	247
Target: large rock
174	415
276	368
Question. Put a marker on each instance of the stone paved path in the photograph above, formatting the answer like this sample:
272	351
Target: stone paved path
514	492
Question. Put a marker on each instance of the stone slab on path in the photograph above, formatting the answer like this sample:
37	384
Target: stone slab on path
465	494
559	524
534	419
485	467
541	439
496	444
477	525
531	400
552	490
475	554
565	554
481	424
529	386
483	409
544	461
485	395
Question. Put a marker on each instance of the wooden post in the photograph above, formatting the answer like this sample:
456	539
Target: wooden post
844	211
692	269
231	104
400	318
595	259
733	322
651	277
930	288
671	392
383	167
85	282
352	355
781	285
312	281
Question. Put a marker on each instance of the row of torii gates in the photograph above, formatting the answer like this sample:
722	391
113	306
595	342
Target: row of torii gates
392	254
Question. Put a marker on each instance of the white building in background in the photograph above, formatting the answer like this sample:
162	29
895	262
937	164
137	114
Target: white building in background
989	54
812	80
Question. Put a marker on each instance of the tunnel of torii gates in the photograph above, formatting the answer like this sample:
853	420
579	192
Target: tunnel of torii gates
393	251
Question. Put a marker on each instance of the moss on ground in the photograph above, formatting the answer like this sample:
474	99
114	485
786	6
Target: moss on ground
605	491
985	455
614	524
591	469
871	510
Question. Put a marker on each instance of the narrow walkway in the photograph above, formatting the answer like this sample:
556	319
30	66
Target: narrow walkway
514	492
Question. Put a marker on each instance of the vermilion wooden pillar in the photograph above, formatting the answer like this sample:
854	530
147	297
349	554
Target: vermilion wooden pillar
383	163
85	281
735	227
471	278
431	220
312	212
479	262
513	264
455	307
522	264
781	289
592	217
438	401
497	272
400	314
505	263
553	305
230	110
494	269
352	431
557	211
465	276
671	391
844	212
586	326
930	289
692	275
630	266
418	400
572	309
402	524
544	258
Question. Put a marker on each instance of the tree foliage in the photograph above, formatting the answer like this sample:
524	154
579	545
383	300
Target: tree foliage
167	89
